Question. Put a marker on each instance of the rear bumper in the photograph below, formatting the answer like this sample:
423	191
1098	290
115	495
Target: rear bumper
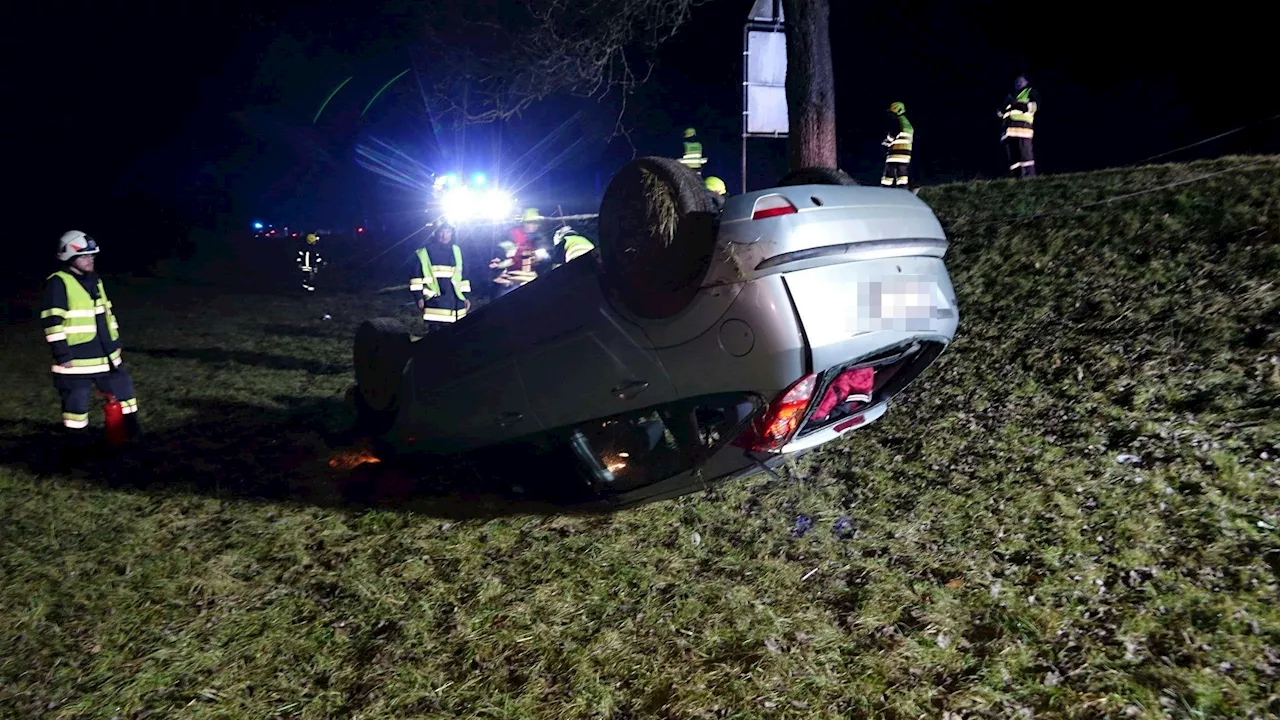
843	426
857	309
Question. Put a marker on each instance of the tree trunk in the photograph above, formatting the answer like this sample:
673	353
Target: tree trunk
811	91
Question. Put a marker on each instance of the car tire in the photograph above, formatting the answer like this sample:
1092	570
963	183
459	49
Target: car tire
380	354
657	234
816	176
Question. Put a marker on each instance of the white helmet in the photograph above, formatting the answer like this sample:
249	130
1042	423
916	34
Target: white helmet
75	243
561	233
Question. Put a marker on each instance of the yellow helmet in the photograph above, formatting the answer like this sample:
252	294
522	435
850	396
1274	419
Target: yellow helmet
690	132
530	214
312	238
898	109
715	185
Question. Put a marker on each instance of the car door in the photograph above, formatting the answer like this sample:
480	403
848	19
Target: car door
479	409
603	367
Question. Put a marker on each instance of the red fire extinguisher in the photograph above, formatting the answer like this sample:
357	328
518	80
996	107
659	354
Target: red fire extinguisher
113	414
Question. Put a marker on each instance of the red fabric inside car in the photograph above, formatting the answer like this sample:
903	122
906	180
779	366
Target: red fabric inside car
849	386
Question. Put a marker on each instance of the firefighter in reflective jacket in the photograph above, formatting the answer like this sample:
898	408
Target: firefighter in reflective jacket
1018	118
569	245
692	157
440	290
81	329
516	267
897	162
309	261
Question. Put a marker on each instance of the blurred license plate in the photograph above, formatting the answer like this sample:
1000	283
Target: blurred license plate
900	302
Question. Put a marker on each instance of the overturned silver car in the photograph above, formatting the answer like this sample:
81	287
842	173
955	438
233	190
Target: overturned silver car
694	345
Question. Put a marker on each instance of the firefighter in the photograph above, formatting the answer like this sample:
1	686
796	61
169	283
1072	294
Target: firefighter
569	245
516	267
440	289
692	157
81	329
309	261
717	190
899	141
1018	119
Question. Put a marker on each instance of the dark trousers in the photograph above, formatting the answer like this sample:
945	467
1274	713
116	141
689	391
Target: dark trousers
896	175
75	390
1022	158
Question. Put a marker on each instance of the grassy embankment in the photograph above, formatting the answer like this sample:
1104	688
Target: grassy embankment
1004	562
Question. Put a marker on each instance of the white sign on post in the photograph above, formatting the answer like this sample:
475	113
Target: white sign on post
766	71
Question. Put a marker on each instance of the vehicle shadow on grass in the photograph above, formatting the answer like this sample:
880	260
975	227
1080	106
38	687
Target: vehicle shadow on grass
244	357
299	455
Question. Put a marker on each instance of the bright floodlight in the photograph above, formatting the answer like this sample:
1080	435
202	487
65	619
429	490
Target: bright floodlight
477	179
498	205
460	204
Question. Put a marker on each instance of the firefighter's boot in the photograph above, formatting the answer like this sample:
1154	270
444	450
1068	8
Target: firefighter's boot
133	427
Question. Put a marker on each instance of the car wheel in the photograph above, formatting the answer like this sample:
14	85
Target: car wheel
657	233
381	352
816	176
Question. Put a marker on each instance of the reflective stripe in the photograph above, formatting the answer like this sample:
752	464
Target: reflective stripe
464	286
75	420
82	369
97	310
442	315
415	287
80	329
55	337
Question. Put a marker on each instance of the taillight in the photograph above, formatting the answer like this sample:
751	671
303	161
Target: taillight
772	430
771	206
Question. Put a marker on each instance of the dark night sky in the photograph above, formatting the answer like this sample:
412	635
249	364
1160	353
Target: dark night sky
201	113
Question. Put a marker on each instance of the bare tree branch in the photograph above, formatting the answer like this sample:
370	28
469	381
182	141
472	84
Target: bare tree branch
486	69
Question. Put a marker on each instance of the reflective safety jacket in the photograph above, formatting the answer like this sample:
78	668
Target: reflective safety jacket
79	324
309	259
440	283
571	247
692	157
901	143
1019	115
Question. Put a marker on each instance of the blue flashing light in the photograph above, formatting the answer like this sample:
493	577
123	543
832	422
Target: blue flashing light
478	178
257	226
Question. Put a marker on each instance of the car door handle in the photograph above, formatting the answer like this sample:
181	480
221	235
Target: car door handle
509	418
629	390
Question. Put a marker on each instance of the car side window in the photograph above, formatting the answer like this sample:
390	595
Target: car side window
642	447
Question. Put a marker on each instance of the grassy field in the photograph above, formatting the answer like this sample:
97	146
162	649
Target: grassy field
1075	513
